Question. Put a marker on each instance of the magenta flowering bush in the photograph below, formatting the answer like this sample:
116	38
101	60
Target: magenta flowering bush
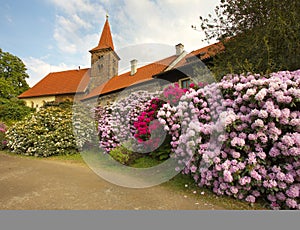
173	93
3	141
142	125
116	122
256	154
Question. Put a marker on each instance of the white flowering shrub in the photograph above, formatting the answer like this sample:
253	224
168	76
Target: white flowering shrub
47	132
84	126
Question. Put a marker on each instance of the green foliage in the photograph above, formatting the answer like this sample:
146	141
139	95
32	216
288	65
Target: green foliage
62	105
12	75
12	83
5	89
47	132
264	36
163	152
123	155
12	110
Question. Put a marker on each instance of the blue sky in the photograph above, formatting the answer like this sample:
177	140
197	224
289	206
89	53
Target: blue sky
55	35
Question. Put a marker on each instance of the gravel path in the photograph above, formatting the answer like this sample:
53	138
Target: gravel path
35	184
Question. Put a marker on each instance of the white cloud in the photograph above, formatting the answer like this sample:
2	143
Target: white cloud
164	21
38	68
73	6
79	23
133	22
75	21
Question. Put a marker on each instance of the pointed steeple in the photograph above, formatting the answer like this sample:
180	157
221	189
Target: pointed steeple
106	41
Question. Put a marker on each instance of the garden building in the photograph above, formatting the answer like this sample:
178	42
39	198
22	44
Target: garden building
102	81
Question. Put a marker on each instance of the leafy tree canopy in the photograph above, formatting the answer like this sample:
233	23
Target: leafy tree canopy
264	35
12	75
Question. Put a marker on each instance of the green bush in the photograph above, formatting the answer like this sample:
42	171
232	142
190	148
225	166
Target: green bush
163	152
123	155
63	105
47	132
13	110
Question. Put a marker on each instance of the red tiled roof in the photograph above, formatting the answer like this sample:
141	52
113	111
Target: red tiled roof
65	82
143	74
106	38
204	53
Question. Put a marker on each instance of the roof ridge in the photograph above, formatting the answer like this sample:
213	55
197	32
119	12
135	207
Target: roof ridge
69	70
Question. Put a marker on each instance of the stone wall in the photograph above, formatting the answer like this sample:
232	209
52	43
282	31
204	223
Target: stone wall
104	66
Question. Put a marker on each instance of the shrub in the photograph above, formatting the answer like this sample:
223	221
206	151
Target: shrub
64	104
47	132
84	126
123	155
13	110
116	122
260	146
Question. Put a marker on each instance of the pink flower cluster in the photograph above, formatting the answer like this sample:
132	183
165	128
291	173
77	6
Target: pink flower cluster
116	122
255	121
3	130
142	125
173	93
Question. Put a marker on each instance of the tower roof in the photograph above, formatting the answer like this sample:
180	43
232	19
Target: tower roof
106	38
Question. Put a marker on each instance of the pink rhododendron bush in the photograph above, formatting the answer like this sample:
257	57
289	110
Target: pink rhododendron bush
256	153
240	137
116	122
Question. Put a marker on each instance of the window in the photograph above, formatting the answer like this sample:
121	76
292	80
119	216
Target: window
100	66
185	83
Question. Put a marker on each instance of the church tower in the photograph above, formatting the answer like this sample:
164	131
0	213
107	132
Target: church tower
104	60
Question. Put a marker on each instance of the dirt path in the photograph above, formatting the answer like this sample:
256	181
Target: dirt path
33	184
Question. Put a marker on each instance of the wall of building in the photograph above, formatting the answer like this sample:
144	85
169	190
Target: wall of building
65	97
149	86
104	66
38	102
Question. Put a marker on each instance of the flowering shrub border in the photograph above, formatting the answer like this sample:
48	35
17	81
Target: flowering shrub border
47	132
260	153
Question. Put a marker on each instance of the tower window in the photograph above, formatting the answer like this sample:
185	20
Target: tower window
100	66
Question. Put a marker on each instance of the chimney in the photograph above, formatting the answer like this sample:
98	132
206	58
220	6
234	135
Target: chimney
179	49
133	67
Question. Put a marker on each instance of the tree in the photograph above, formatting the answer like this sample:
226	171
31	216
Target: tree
259	36
12	75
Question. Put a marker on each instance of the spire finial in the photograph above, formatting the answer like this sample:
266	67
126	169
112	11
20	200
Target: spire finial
107	16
